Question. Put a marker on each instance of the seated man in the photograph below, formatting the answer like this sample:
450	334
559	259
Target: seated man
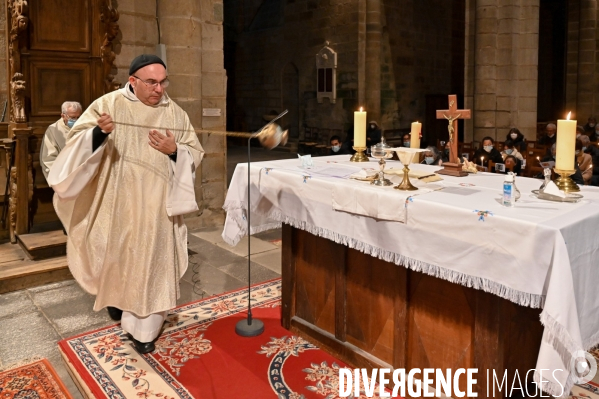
336	147
550	137
56	135
487	153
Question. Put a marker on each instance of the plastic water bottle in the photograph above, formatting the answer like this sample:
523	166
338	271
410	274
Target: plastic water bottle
509	197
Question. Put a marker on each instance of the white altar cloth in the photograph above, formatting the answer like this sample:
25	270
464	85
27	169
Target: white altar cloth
539	253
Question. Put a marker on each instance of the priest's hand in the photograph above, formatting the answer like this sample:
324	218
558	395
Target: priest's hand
105	123
164	144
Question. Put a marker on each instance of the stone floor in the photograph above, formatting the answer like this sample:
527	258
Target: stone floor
32	321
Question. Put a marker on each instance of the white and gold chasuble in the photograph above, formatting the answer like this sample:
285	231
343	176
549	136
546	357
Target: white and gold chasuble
122	205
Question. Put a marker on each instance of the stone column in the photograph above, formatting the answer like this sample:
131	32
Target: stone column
373	60
505	68
572	55
587	98
139	33
193	34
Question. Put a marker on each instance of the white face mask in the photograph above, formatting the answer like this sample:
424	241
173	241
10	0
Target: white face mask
488	148
514	136
591	125
551	134
336	148
372	126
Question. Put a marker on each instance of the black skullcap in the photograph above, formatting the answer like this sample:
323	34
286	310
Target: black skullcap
144	60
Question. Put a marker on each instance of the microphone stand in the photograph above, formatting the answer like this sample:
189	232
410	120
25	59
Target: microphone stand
251	327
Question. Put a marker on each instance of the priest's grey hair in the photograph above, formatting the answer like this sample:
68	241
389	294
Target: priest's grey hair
552	125
74	105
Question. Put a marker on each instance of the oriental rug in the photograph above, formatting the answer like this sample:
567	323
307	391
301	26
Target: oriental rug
36	380
199	355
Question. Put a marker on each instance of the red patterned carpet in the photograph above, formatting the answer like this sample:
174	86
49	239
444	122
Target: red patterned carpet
37	380
199	355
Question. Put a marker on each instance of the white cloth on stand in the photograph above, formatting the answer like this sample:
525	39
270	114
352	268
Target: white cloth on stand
143	329
539	254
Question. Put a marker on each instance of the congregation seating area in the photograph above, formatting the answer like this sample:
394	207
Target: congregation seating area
316	143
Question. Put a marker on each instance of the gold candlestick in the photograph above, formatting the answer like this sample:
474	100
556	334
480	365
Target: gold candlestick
405	184
359	156
564	182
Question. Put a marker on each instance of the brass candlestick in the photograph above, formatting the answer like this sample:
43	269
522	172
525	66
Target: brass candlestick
359	156
564	182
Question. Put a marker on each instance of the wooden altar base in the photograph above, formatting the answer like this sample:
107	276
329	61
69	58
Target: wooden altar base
371	313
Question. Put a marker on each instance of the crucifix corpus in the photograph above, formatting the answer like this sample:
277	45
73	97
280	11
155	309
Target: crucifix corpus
453	167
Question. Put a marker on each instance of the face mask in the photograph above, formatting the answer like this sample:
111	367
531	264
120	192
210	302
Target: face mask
591	125
336	148
406	144
429	160
514	136
509	151
584	148
577	152
372	126
488	148
71	123
551	134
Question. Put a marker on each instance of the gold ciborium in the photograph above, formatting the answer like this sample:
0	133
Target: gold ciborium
406	156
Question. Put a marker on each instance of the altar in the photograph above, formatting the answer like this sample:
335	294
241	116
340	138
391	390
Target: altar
442	277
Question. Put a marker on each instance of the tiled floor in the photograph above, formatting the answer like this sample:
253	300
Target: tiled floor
32	321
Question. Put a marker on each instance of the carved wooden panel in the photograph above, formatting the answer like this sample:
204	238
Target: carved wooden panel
315	280
53	82
60	25
370	304
439	309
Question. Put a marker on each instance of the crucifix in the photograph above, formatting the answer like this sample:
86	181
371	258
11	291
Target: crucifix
453	167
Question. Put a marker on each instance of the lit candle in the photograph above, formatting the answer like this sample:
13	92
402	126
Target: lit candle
360	128
415	135
565	144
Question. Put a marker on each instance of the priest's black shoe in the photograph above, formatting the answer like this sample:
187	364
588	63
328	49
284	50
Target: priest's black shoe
114	313
142	347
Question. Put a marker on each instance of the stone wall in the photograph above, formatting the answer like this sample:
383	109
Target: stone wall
503	80
582	76
193	35
390	56
273	37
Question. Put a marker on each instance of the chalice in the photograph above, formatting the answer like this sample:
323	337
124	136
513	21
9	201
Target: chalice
406	156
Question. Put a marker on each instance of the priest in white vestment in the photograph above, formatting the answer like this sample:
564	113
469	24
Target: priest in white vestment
122	184
56	134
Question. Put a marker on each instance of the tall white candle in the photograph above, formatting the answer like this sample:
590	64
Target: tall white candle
565	144
415	135
360	128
